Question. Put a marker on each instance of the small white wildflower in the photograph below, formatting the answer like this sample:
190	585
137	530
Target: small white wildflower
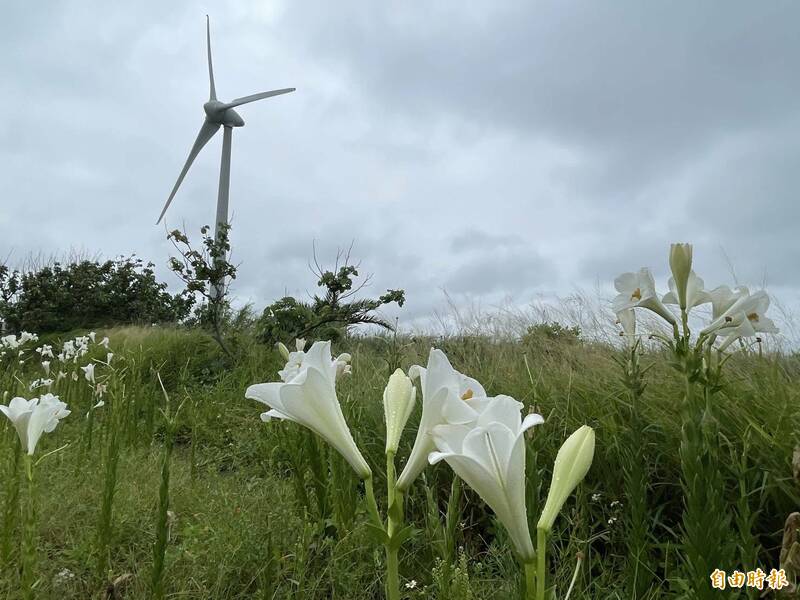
46	367
411	584
63	576
596	497
612	520
109	356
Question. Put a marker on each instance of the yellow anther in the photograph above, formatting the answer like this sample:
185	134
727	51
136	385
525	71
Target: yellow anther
637	294
467	395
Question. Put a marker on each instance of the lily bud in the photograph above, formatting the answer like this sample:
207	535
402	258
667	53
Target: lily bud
680	262
398	402
283	350
572	463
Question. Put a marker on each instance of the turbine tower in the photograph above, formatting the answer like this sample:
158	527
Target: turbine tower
218	114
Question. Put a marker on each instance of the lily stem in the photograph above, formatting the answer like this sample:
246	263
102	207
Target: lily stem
392	525
530	580
541	562
29	535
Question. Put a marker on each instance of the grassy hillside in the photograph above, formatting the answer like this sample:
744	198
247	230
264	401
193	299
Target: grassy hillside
265	510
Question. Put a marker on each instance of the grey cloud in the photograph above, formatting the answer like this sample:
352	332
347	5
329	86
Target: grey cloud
500	271
475	240
484	148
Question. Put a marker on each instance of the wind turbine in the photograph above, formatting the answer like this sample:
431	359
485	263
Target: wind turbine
218	114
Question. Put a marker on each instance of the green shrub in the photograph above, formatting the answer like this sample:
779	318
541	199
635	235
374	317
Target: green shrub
87	295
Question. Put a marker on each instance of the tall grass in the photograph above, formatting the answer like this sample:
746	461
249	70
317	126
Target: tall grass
263	510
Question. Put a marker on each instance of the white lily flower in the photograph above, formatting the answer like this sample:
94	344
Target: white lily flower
343	366
37	383
489	455
46	367
695	292
398	402
309	398
91	335
88	372
109	356
26	337
750	321
9	341
104	343
722	298
32	418
627	320
100	404
446	398
750	308
638	290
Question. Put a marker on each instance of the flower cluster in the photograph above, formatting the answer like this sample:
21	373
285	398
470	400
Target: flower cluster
736	313
13	342
71	351
481	438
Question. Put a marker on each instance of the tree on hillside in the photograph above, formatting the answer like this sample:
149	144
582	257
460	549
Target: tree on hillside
207	274
331	314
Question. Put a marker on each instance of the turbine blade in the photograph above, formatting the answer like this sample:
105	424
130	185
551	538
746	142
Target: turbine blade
207	131
254	97
213	91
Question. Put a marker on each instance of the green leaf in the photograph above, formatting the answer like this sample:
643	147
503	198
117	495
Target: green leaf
401	536
396	512
377	534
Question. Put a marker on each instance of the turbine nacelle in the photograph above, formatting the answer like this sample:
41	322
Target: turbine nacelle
221	114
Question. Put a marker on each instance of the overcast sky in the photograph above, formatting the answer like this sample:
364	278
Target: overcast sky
491	149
